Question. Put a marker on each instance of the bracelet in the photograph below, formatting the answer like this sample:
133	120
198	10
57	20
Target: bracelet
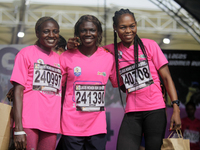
19	133
177	102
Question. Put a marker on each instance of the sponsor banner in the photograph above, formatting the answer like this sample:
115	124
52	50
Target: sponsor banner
185	71
184	67
7	57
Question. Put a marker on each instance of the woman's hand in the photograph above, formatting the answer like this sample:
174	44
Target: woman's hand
73	43
20	142
175	123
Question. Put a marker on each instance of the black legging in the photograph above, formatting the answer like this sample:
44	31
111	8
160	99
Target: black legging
151	123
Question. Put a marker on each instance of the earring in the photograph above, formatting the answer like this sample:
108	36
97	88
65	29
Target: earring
115	31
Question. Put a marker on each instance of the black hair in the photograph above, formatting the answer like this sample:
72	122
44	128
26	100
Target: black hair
195	98
92	19
190	103
137	41
61	43
42	20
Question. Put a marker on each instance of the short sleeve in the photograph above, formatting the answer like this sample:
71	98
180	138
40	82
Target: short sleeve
157	56
113	75
63	69
20	70
110	47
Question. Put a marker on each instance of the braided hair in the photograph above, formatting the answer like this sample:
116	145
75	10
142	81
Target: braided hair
137	41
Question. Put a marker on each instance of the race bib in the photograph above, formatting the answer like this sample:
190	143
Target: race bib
46	78
192	135
90	97
136	79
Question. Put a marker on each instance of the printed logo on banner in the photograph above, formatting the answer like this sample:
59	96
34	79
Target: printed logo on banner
40	61
77	71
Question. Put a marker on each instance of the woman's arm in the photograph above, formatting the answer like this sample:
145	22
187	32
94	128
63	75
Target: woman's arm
171	90
123	88
19	140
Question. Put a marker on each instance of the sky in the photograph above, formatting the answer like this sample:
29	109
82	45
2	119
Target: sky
140	4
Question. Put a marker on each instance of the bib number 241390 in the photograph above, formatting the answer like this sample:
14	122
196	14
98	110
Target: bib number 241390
90	97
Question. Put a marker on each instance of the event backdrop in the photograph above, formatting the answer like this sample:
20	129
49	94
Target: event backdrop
184	67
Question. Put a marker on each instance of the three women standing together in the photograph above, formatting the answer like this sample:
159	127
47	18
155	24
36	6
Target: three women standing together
85	72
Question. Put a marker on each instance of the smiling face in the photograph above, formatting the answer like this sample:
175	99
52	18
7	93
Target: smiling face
88	34
126	29
48	35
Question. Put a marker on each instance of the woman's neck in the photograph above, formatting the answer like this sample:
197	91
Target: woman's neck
127	44
88	51
44	49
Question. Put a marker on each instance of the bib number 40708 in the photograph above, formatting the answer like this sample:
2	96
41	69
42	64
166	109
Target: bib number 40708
135	79
131	77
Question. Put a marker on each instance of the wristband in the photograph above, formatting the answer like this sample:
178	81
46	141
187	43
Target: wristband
177	102
19	133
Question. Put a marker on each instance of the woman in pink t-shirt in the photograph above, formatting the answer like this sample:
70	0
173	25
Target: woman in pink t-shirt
36	78
86	71
140	62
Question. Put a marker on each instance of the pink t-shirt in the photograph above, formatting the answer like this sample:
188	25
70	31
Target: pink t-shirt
82	75
191	131
148	97
33	69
